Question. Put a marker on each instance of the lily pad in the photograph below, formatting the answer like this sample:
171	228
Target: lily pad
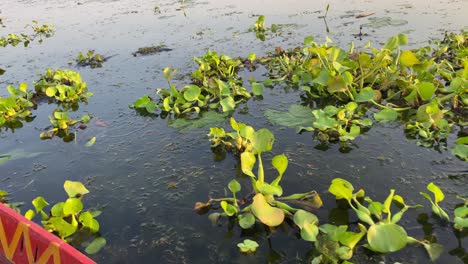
386	237
297	116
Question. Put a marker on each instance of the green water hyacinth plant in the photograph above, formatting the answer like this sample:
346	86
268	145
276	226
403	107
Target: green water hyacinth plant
333	124
64	86
267	205
61	123
384	235
17	106
69	220
215	85
40	31
91	59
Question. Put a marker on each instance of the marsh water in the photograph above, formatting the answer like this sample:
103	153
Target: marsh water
145	175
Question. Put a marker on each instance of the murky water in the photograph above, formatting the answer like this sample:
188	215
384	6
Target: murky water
146	176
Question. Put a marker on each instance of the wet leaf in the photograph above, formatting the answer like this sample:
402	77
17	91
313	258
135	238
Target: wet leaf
270	216
72	206
228	104
257	89
386	237
387	114
263	140
234	186
247	162
280	162
434	250
73	188
342	189
229	209
206	119
408	59
297	116
39	203
248	246
246	220
192	92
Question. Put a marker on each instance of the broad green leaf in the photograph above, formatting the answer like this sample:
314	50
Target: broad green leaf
350	239
192	92
95	246
228	104
257	89
309	232
461	151
234	186
386	237
39	203
302	217
365	95
408	59
229	209
426	90
206	119
57	209
333	232
88	221
342	189
387	114
72	206
268	189
297	116
248	246
280	162
438	194
263	140
322	120
74	188
51	91
247	162
63	228
336	85
246	220
270	216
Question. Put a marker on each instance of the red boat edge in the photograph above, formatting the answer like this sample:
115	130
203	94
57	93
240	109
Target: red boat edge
23	241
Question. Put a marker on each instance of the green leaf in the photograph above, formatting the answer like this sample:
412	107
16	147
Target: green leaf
51	91
247	162
336	85
263	140
350	239
270	216
426	90
57	209
234	186
387	114
365	95
29	214
408	59
95	246
192	92
438	194
268	189
322	120
142	101
280	162
309	40
88	221
434	250
90	142
229	209
297	116
39	203
246	220
386	237
228	104
72	206
63	228
342	189
309	232
248	246
74	188
461	151
257	89
302	217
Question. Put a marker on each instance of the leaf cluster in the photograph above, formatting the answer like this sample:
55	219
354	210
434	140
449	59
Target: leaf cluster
69	220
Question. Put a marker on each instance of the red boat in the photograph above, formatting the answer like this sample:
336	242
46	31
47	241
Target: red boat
23	241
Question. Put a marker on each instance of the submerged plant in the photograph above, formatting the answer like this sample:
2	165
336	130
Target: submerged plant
68	220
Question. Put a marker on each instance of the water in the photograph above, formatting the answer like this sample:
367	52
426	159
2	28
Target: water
146	176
